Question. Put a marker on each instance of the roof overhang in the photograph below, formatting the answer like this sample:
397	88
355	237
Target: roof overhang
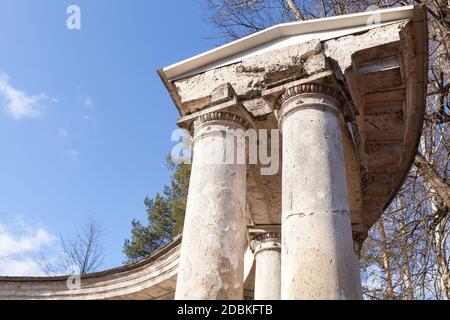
287	34
191	83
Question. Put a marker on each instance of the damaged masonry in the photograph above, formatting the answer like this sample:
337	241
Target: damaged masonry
347	96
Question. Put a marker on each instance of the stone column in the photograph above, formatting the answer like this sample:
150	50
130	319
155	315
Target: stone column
318	261
267	251
214	236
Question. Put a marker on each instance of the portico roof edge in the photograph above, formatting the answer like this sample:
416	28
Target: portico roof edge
283	30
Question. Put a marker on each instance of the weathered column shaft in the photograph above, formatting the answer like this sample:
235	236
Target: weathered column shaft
214	236
318	261
267	251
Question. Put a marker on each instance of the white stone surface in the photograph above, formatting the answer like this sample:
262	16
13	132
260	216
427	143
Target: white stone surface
214	236
384	72
153	278
268	267
318	261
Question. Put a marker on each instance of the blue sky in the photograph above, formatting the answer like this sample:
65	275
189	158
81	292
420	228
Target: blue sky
85	121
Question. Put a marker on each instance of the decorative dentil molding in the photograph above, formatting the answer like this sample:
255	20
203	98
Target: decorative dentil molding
308	88
222	116
266	241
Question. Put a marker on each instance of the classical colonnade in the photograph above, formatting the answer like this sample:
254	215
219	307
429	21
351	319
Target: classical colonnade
347	98
312	256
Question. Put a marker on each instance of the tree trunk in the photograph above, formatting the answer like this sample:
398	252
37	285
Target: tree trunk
386	265
295	10
438	232
441	257
405	268
437	183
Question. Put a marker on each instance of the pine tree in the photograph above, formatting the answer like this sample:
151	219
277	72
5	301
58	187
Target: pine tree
165	215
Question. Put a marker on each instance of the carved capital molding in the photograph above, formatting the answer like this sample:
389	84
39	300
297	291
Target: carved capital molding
308	88
222	116
225	123
266	241
224	106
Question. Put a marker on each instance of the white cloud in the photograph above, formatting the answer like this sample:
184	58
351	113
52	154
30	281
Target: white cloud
73	154
88	118
88	103
25	267
20	105
19	247
28	242
63	133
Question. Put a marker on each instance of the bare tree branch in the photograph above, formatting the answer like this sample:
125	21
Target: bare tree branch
438	184
82	254
294	8
408	257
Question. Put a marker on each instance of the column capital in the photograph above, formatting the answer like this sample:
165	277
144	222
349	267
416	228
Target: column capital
224	107
221	116
308	88
219	123
322	86
266	241
311	95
